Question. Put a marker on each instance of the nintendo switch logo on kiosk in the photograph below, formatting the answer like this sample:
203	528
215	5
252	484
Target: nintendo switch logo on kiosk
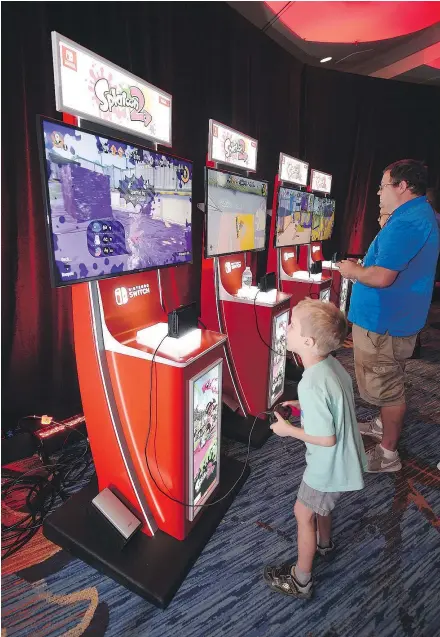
89	86
123	295
232	266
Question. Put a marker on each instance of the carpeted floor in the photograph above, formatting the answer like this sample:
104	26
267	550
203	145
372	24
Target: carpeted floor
384	581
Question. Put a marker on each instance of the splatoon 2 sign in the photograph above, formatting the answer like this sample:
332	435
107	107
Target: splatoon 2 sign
321	182
293	170
228	146
93	88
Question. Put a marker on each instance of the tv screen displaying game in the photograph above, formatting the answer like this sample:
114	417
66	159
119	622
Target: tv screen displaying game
112	207
294	217
235	213
323	218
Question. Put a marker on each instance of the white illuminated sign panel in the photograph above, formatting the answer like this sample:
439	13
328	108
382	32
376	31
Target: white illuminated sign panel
88	86
321	182
293	170
228	146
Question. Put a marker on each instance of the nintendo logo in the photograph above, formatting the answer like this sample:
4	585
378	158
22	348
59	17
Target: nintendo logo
69	58
288	255
164	101
232	266
121	296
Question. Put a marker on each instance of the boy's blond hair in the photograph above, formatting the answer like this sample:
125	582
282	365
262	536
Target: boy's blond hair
323	322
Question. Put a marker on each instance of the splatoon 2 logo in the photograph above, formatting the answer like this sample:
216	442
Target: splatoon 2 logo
123	295
133	98
235	149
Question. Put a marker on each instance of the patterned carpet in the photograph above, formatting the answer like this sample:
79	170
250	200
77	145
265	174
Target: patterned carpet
383	582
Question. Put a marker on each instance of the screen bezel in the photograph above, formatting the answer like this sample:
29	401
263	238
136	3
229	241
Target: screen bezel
223	254
46	202
276	218
312	172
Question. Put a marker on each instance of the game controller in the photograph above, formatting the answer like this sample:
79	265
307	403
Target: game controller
285	411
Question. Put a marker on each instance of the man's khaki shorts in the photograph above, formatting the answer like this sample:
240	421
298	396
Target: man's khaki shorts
380	365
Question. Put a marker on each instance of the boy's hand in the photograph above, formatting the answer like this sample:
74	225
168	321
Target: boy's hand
292	403
282	427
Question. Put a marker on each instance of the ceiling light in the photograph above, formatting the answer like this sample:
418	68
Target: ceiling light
325	60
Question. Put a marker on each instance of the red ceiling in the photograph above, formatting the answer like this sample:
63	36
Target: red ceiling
435	63
347	22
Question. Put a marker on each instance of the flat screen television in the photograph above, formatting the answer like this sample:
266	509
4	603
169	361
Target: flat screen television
236	210
323	218
113	207
294	217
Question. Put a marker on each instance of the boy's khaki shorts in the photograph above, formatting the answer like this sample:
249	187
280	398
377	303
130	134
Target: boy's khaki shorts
380	365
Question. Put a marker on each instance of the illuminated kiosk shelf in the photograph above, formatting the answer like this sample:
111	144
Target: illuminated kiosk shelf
152	567
305	277
156	337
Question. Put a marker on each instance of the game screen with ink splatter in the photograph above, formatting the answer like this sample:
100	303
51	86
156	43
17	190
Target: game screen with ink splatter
323	218
113	207
235	213
294	217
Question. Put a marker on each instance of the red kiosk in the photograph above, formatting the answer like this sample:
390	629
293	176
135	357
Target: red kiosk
254	321
152	403
297	228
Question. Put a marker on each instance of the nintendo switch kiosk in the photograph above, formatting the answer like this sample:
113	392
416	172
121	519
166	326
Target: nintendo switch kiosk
150	441
255	322
152	404
293	263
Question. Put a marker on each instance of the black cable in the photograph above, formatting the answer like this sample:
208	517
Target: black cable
167	495
258	329
202	323
313	295
43	491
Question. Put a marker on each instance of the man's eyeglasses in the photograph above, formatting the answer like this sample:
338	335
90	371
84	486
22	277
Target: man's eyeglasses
382	186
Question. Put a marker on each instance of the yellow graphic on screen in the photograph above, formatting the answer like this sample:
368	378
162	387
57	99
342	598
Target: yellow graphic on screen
328	227
244	225
317	229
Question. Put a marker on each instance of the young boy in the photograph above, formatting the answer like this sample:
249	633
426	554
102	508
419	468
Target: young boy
335	454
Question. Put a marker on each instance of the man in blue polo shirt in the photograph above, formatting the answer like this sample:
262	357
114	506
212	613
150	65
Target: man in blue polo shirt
390	303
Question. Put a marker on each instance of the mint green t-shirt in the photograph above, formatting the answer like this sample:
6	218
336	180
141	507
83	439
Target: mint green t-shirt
327	408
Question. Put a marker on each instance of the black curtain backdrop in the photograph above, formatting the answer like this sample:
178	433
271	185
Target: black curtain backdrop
216	65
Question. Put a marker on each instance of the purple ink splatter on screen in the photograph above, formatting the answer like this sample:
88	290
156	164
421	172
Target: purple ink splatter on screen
114	205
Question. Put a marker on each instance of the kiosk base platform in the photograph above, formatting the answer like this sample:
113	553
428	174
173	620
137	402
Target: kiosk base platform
152	567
